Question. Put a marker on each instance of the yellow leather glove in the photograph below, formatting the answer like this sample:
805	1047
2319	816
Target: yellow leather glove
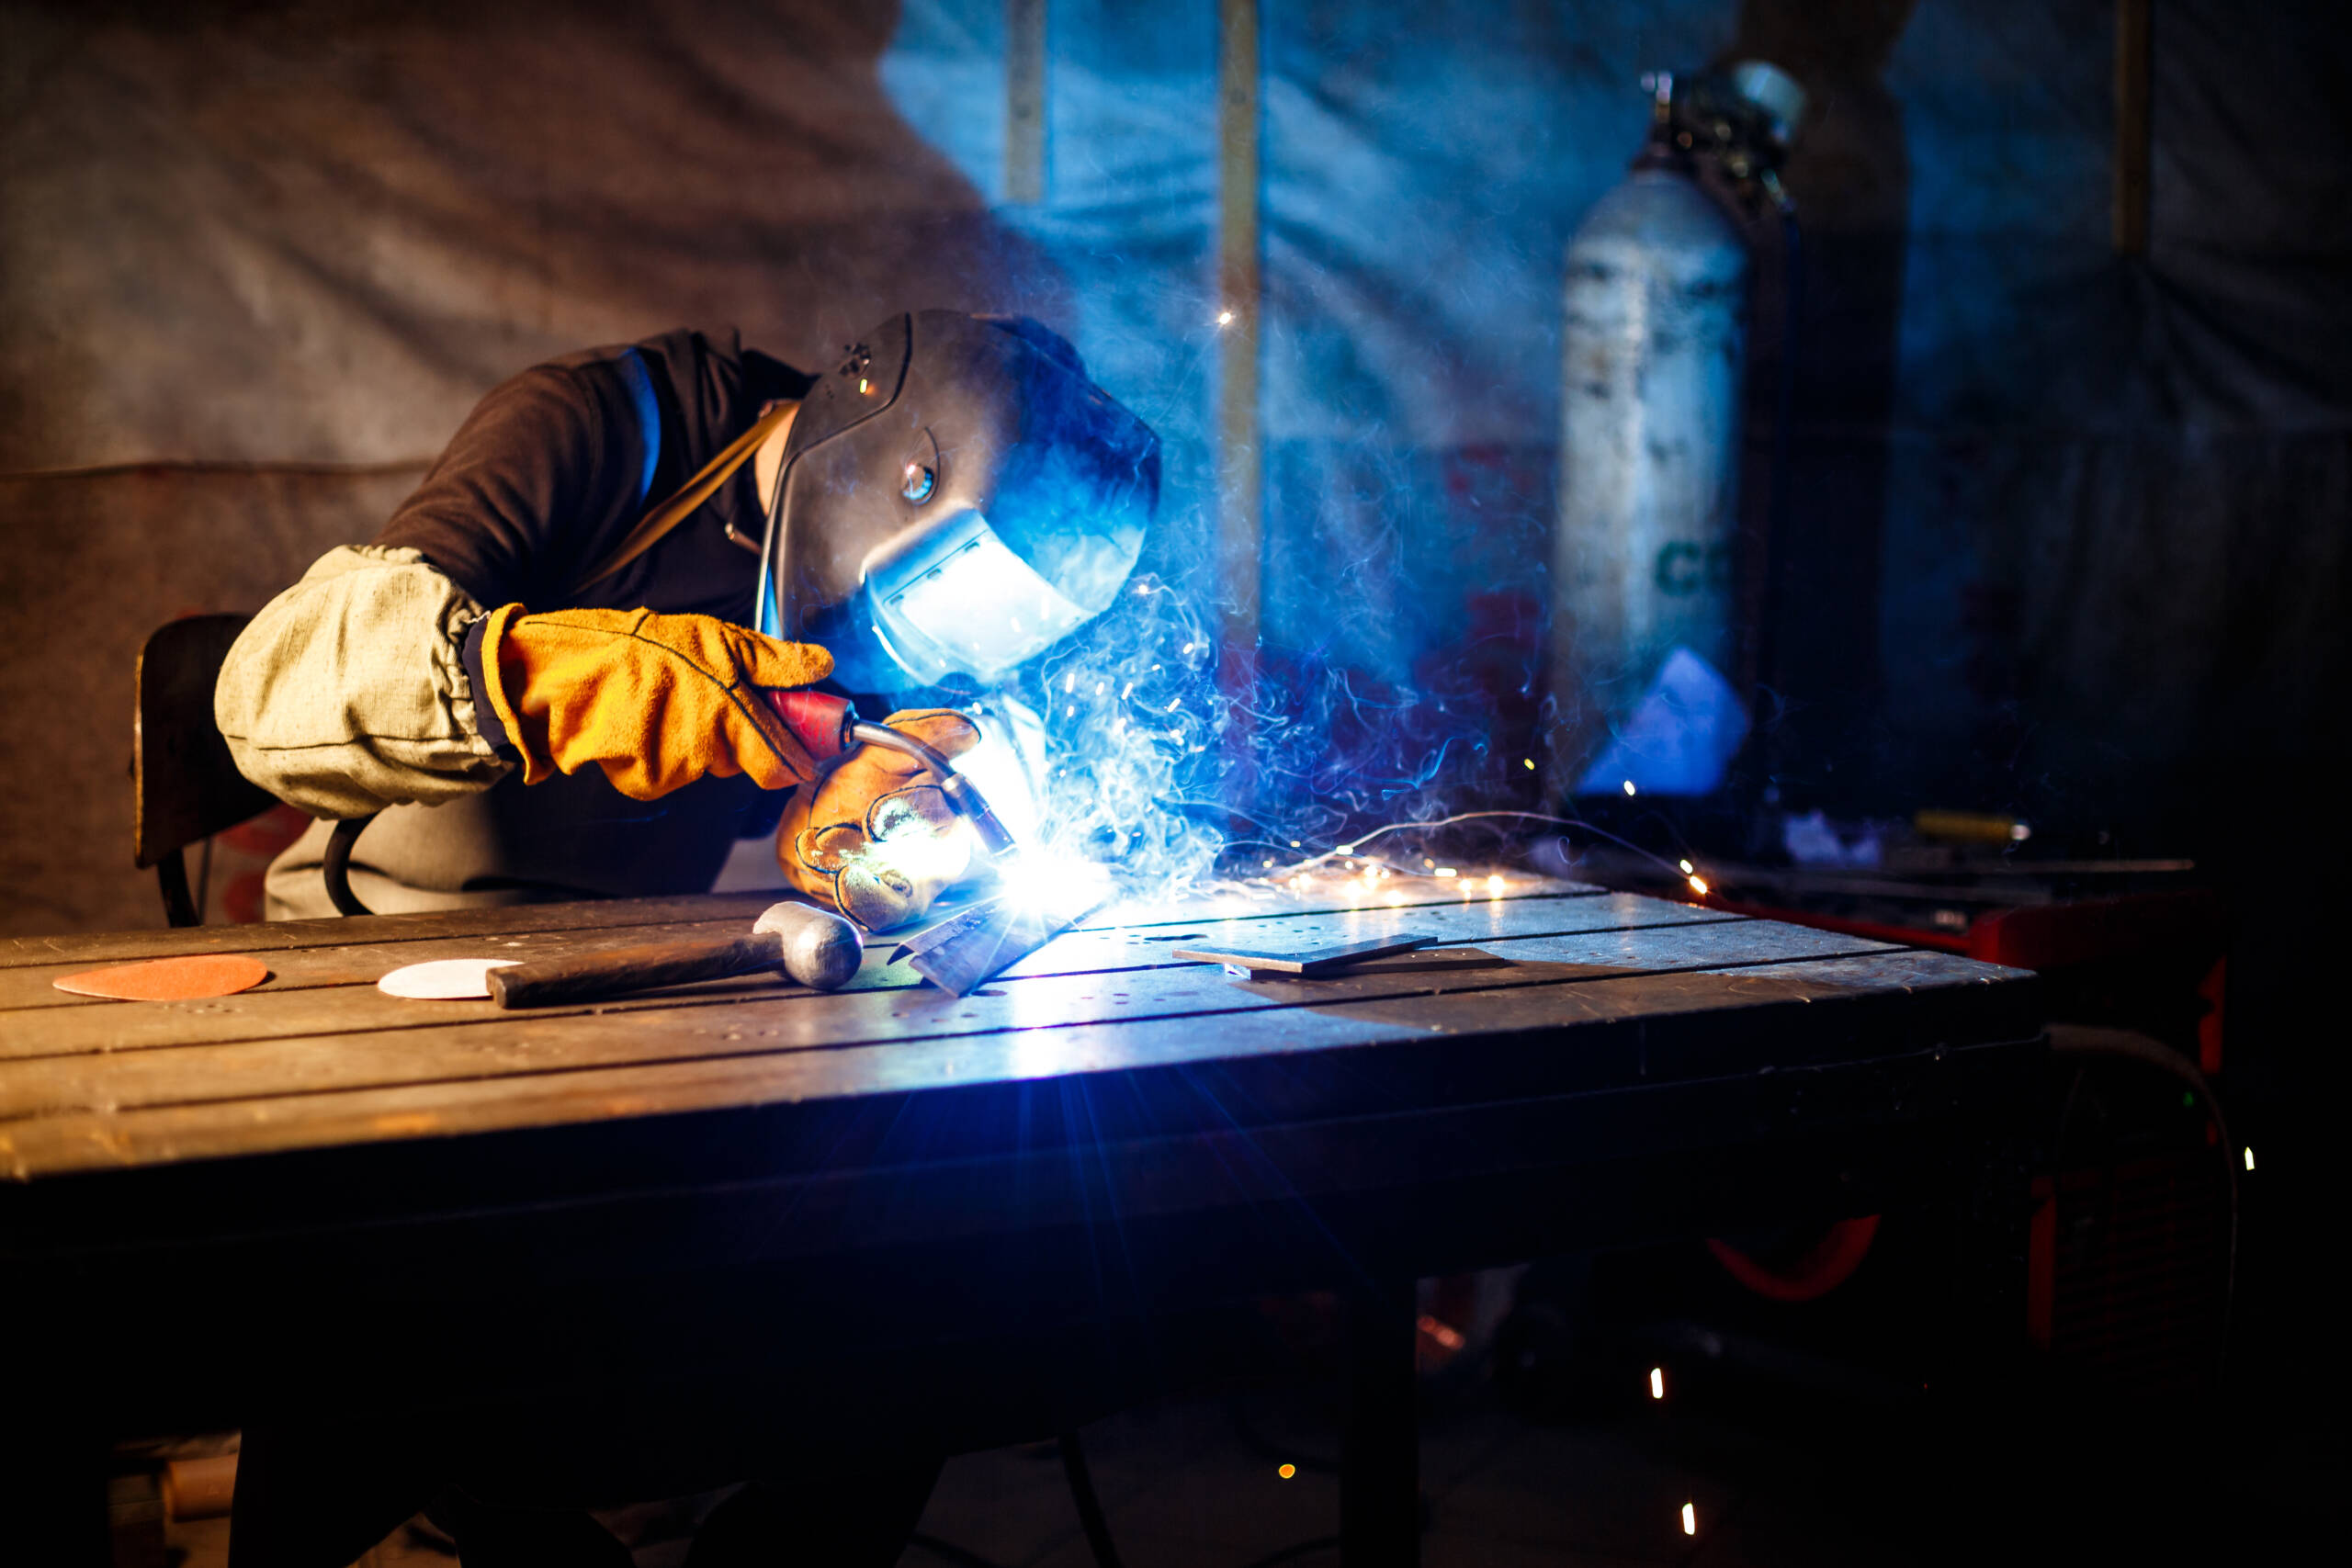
656	701
874	838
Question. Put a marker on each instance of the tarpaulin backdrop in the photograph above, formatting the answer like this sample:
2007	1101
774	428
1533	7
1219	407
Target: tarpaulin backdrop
2068	532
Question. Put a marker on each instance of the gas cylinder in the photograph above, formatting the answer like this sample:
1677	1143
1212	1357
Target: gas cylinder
1654	332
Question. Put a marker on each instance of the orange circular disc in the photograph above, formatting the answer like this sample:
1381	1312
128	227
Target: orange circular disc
170	979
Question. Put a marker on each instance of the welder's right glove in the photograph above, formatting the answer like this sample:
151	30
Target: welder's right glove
876	838
656	701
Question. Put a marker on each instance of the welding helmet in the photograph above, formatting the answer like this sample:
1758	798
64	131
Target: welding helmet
955	495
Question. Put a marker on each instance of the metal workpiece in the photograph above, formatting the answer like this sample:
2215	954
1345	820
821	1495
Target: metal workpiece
966	950
1300	964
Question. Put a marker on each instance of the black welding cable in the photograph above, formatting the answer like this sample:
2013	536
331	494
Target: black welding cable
1090	1507
336	866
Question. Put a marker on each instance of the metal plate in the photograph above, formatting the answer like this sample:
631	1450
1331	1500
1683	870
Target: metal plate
1304	963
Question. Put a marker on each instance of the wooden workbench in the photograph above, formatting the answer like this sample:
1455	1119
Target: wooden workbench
303	1195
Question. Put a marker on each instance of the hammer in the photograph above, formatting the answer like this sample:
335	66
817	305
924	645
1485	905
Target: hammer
815	947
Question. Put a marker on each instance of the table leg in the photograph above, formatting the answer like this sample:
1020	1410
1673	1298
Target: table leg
1380	1498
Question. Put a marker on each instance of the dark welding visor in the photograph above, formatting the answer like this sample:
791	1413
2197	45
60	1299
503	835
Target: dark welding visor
961	480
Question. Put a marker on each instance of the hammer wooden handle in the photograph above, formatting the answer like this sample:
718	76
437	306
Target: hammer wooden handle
580	978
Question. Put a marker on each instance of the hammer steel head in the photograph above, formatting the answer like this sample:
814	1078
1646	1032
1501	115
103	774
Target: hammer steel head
818	949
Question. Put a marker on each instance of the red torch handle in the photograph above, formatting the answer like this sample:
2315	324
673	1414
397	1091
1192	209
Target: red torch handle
819	721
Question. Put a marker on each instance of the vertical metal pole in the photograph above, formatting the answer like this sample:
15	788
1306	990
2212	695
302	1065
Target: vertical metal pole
1024	101
2134	31
1240	471
1380	1451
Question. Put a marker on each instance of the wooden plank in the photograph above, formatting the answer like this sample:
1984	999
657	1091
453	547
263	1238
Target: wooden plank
364	963
282	936
279	936
28	988
342	999
90	1140
458	1041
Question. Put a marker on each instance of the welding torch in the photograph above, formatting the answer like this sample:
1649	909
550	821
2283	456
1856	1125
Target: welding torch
829	725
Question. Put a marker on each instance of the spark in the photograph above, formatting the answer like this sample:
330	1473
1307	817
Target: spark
1629	786
1447	870
1495	884
1657	1382
1699	886
1285	1471
1070	683
1048	880
1687	867
2249	1157
1528	763
1689	1519
1294	843
1225	318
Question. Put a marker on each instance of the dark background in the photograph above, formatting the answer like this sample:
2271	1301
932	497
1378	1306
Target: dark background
2068	529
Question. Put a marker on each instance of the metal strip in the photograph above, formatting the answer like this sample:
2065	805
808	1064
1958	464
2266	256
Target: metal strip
1024	101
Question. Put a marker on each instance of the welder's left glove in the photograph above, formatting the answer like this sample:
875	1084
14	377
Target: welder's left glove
874	838
655	701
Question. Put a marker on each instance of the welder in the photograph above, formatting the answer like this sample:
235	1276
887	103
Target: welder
549	671
552	675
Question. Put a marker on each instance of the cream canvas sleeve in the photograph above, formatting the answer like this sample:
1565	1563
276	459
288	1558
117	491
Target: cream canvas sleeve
349	692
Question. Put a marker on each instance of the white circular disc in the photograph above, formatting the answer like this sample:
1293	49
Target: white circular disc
444	980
